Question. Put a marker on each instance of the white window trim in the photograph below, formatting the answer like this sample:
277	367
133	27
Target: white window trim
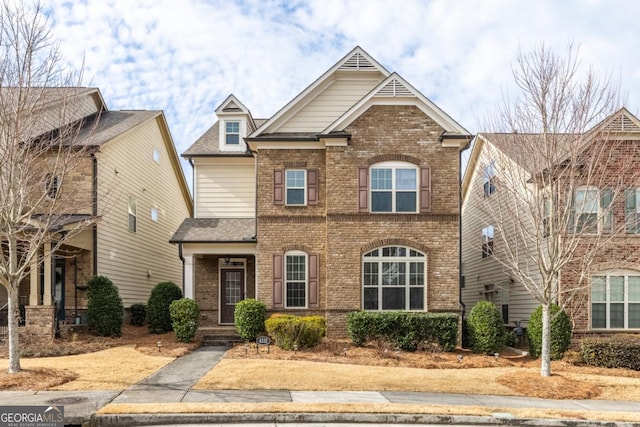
222	131
607	275
132	213
306	280
286	188
156	155
489	177
407	259
394	165
155	214
599	213
492	240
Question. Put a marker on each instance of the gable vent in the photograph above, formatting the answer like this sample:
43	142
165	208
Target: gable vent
394	88
357	62
622	123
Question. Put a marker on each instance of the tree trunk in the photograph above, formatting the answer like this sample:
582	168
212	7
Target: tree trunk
545	354
13	314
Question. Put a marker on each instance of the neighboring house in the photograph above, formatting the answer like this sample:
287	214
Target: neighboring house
130	180
610	300
346	199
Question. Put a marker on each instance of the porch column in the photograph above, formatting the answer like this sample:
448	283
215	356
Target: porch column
34	282
46	298
188	277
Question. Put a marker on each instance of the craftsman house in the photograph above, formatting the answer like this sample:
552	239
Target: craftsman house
130	186
601	293
345	199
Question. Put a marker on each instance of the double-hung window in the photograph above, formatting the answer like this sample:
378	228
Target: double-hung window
232	132
295	185
488	179
393	279
615	301
487	241
52	185
394	187
632	210
295	279
592	210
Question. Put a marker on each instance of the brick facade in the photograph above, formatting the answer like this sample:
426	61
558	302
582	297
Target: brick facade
340	234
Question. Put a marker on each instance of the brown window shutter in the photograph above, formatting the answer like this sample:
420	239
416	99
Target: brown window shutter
314	273
278	281
363	189
312	186
425	189
278	187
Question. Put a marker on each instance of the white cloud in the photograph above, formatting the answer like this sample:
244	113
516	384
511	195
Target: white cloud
185	57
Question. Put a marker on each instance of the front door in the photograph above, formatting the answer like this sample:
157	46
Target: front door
58	288
231	291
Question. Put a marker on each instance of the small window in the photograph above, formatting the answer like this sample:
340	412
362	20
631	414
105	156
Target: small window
592	210
132	214
156	155
295	184
232	133
154	214
296	280
488	179
487	241
52	185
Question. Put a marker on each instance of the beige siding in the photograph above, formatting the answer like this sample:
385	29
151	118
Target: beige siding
329	105
66	112
225	188
480	272
136	262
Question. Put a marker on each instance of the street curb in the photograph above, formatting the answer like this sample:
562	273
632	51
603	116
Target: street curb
355	418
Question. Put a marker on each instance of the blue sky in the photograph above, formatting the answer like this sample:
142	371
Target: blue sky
184	57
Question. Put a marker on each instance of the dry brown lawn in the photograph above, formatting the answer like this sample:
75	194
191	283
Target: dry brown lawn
89	362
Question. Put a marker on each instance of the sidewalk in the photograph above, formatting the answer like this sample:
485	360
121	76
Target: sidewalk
173	384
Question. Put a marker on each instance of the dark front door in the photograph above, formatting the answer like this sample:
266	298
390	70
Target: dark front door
231	291
58	288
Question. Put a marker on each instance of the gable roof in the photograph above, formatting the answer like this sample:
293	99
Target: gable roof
207	145
396	90
355	61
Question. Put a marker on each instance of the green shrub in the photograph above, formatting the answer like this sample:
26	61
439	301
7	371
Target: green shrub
158	317
405	330
137	314
249	317
510	339
184	317
621	351
486	328
560	332
104	307
288	330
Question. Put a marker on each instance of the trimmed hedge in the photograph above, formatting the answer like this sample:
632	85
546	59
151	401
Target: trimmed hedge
158	317
104	307
184	318
289	330
561	332
621	351
486	328
137	314
249	318
405	330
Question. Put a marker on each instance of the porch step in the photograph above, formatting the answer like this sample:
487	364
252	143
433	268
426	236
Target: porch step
220	340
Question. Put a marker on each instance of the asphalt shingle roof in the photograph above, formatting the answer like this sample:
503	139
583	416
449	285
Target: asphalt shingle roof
207	230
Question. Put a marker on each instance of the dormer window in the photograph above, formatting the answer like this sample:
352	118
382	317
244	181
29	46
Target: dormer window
232	133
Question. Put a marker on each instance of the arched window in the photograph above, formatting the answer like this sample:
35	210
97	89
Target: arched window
393	279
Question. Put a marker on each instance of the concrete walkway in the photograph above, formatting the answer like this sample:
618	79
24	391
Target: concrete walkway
173	384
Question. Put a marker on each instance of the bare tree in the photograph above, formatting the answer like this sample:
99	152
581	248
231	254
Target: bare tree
554	173
42	142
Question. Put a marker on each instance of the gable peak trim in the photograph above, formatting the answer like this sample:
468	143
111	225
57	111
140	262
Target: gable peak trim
622	122
358	62
395	88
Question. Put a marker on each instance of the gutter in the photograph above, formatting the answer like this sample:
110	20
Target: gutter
460	281
181	259
94	191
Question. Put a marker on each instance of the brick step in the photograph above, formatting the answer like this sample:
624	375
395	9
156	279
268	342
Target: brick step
226	340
